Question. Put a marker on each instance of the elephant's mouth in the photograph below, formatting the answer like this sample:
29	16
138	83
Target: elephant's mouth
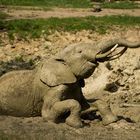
88	70
93	64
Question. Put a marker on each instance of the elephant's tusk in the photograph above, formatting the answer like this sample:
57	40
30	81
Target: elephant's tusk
115	56
114	48
104	55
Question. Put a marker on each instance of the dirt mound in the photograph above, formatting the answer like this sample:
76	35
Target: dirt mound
117	82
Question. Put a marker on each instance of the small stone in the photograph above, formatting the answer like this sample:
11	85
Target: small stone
96	8
47	44
36	49
8	46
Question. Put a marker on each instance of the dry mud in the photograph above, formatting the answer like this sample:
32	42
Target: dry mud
116	82
33	13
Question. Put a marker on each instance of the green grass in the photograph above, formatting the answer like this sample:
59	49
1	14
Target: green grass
3	15
36	27
70	3
48	3
121	5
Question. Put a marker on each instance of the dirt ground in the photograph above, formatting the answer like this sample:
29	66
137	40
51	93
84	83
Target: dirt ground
30	12
116	82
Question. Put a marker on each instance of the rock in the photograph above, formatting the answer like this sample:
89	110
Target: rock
36	49
96	8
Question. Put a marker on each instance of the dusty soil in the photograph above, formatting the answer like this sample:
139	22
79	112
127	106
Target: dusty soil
30	12
116	82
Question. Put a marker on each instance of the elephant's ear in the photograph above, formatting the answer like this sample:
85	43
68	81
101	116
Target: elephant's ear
55	72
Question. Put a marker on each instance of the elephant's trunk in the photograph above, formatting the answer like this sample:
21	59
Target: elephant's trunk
107	47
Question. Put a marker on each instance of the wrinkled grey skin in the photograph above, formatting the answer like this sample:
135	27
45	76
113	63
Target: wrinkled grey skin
54	87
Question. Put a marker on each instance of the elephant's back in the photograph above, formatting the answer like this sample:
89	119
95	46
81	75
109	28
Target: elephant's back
13	82
15	93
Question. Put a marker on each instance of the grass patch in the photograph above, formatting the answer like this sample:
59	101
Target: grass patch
36	27
121	5
3	15
48	3
70	3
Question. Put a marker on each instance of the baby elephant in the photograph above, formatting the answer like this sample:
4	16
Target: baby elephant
53	88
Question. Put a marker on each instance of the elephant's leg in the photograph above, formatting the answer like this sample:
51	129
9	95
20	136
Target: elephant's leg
105	112
71	105
52	96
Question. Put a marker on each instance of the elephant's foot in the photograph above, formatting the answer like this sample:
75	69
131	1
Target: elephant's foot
107	119
61	107
74	122
49	116
105	112
71	120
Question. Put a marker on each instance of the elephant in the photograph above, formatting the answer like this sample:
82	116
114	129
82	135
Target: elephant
54	88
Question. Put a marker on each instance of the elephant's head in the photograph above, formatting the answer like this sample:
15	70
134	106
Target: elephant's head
83	58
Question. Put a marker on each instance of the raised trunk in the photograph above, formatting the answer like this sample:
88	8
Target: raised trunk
107	47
